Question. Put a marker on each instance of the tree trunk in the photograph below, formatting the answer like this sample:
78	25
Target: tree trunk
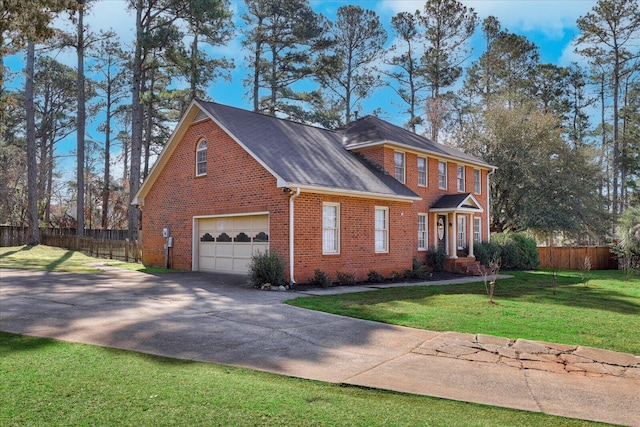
81	123
32	174
136	127
104	220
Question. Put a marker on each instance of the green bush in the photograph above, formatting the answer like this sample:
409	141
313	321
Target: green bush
436	258
346	278
375	277
516	251
320	279
486	251
418	270
266	267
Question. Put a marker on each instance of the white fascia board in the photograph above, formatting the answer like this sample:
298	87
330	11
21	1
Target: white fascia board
305	188
458	210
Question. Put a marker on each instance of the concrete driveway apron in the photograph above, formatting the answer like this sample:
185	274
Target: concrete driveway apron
220	318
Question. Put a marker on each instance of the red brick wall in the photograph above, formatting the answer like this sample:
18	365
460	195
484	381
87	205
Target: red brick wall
357	251
383	156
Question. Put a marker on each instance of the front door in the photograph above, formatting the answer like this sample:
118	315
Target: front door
442	233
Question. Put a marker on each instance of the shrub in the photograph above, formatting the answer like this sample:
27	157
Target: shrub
418	270
375	277
436	258
486	251
346	278
396	276
320	279
266	267
517	251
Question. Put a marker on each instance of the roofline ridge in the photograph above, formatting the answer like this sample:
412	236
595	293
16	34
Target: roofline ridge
283	119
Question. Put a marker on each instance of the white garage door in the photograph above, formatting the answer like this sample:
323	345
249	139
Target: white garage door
227	243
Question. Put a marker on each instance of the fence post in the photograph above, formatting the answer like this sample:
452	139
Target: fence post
126	250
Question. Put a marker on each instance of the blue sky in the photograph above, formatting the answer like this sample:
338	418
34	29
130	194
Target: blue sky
550	24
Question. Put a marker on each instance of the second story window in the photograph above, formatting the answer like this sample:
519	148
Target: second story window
398	160
442	175
422	171
201	158
460	178
477	181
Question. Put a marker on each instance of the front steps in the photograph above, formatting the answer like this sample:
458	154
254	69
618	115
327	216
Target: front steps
466	265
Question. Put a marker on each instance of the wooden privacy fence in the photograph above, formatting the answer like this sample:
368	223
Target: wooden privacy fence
122	250
572	257
111	244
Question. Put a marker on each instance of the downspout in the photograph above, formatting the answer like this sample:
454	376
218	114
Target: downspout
291	231
491	172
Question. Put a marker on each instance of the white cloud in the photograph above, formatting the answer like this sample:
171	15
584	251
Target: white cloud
569	56
550	17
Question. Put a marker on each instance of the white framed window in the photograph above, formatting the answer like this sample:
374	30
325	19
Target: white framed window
381	229
442	175
460	178
422	171
330	228
399	169
422	232
462	232
201	158
477	229
477	181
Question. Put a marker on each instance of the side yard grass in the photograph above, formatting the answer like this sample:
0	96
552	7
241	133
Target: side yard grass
50	258
49	382
605	313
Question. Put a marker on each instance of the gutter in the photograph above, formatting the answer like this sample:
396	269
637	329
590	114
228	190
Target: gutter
291	235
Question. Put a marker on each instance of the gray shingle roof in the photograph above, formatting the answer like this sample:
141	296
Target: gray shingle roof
370	129
304	155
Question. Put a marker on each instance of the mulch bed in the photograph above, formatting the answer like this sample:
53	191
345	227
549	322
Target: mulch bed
431	277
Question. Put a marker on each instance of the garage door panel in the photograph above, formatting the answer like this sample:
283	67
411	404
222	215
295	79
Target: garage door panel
207	249
242	250
224	249
224	264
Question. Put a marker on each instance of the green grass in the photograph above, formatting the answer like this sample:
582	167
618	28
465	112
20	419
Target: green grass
49	382
604	314
49	258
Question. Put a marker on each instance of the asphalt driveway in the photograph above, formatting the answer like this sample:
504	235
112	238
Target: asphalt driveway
220	318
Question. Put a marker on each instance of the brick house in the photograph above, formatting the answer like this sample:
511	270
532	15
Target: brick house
369	196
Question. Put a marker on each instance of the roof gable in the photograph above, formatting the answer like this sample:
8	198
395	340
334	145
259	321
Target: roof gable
369	131
464	202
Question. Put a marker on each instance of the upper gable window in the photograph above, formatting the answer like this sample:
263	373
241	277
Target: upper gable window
442	175
201	158
422	171
460	178
398	160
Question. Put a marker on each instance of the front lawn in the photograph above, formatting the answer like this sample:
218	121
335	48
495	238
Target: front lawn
49	382
604	314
